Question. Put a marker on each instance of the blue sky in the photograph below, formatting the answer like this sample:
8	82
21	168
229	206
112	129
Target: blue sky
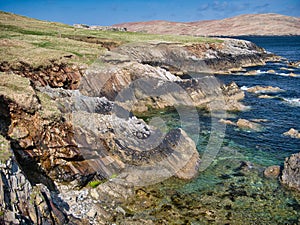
117	11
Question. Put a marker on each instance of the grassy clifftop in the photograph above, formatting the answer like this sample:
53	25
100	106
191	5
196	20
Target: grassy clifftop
36	42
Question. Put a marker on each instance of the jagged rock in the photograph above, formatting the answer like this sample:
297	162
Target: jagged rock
272	171
292	133
222	57
54	74
137	87
294	64
92	137
248	125
22	203
71	137
291	172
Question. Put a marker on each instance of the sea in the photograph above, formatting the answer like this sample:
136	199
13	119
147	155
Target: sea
233	188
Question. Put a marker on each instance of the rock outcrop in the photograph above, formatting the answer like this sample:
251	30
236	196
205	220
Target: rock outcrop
221	56
291	172
23	203
60	136
55	74
141	75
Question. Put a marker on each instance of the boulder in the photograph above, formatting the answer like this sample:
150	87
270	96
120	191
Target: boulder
271	71
293	133
272	171
291	172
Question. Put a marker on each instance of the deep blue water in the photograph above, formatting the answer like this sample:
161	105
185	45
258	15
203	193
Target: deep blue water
281	112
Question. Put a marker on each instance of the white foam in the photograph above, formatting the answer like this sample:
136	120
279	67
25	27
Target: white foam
292	101
244	88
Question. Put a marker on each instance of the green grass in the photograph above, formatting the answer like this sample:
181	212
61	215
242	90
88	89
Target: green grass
36	42
5	152
95	183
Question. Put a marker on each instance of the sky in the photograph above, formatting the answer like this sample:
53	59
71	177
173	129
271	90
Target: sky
93	12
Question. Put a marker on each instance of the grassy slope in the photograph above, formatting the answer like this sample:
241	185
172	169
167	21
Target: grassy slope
36	42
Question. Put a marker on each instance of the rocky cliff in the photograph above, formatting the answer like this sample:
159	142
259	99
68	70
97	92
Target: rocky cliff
250	24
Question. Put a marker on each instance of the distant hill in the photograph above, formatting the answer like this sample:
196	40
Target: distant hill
248	24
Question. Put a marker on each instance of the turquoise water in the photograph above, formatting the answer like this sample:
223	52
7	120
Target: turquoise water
233	189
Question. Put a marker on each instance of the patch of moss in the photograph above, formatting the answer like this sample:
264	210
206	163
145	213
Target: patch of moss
95	183
5	152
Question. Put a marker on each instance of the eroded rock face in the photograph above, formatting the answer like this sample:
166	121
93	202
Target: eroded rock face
22	203
291	172
67	137
88	137
54	74
138	87
220	57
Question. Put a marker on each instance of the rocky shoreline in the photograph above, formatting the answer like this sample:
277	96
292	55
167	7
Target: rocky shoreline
75	152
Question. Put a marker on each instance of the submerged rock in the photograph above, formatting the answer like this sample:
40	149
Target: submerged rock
227	122
264	89
291	172
248	125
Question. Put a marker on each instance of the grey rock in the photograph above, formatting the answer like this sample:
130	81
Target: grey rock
23	203
291	171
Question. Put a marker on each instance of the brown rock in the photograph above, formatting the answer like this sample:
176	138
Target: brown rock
272	171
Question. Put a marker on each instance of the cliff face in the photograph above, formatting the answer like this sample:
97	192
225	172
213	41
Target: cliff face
252	24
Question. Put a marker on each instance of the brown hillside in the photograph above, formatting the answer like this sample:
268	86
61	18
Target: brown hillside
249	24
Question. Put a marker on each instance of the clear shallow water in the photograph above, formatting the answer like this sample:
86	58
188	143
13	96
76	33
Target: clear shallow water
231	191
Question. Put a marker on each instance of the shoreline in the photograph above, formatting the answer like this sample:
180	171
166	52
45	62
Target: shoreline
70	137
